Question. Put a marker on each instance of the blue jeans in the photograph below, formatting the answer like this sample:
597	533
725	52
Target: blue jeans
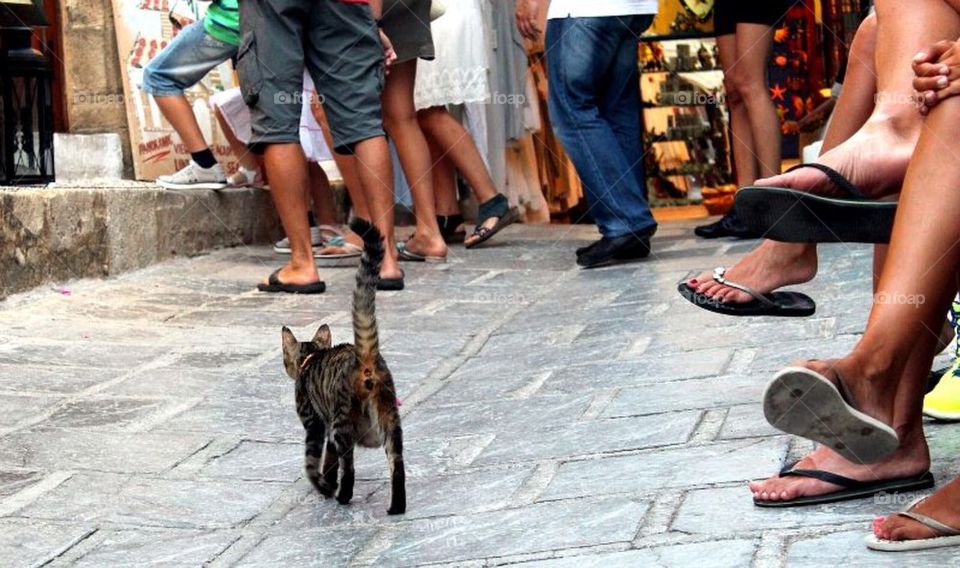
185	61
595	109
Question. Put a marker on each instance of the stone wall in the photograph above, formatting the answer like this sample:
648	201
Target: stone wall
92	80
62	233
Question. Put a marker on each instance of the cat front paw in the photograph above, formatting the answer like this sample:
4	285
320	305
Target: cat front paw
344	497
397	510
326	489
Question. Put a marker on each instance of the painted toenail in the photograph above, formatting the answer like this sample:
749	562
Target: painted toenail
920	56
943	82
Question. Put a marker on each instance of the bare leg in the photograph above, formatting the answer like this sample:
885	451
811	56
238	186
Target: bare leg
457	146
287	169
919	280
754	43
875	158
376	178
857	97
246	158
773	265
444	183
744	155
346	164
454	140
322	196
179	113
400	120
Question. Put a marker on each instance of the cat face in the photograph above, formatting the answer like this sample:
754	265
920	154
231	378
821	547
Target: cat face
294	352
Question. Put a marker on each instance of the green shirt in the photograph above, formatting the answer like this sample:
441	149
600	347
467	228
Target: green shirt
223	21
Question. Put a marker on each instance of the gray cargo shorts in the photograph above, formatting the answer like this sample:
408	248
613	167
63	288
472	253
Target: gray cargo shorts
339	44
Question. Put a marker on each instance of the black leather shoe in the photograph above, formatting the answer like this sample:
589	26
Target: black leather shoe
582	250
616	250
728	226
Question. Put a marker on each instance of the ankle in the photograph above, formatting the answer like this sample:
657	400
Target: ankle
902	120
874	369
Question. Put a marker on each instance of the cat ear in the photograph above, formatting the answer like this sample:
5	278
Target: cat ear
323	337
290	343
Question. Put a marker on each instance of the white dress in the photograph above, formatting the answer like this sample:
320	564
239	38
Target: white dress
460	72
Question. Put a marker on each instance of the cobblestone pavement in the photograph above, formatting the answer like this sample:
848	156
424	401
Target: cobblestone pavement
554	417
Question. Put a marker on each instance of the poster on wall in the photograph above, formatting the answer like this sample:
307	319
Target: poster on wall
144	28
683	17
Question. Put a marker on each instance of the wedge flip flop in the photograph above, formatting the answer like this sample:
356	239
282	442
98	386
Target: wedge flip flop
852	489
497	207
948	536
804	403
792	216
408	255
275	286
781	304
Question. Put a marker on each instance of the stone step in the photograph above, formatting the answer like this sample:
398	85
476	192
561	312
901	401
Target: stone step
96	229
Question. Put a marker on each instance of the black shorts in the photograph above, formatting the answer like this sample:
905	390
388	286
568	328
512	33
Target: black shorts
728	13
339	44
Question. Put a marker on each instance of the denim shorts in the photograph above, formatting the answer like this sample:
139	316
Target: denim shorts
185	61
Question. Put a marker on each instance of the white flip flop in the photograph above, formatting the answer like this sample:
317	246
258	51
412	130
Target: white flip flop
949	535
804	403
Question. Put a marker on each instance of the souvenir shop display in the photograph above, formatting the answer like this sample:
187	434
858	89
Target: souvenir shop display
686	127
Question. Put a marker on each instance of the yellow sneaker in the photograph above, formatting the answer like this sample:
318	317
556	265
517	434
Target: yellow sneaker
943	402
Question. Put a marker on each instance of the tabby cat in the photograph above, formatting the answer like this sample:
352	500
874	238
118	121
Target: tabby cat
345	394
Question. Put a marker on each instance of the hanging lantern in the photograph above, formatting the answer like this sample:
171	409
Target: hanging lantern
26	101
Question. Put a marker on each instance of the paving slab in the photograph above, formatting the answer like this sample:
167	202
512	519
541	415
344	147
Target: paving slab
558	526
553	417
719	554
149	547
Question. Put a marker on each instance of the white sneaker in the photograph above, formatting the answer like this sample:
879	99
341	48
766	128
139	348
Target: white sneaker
192	176
283	246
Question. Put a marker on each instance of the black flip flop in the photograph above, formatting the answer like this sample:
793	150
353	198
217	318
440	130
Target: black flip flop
391	284
792	216
275	286
497	207
852	489
779	304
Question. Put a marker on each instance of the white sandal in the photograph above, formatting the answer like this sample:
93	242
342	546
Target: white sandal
949	536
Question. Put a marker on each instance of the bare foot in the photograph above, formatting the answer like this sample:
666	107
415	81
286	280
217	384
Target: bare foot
426	247
290	274
943	506
911	459
867	386
489	224
770	266
874	159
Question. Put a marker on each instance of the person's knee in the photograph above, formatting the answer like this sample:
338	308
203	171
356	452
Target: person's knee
431	118
402	120
732	91
750	89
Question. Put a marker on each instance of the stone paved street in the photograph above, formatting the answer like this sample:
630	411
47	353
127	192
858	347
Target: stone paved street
554	418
